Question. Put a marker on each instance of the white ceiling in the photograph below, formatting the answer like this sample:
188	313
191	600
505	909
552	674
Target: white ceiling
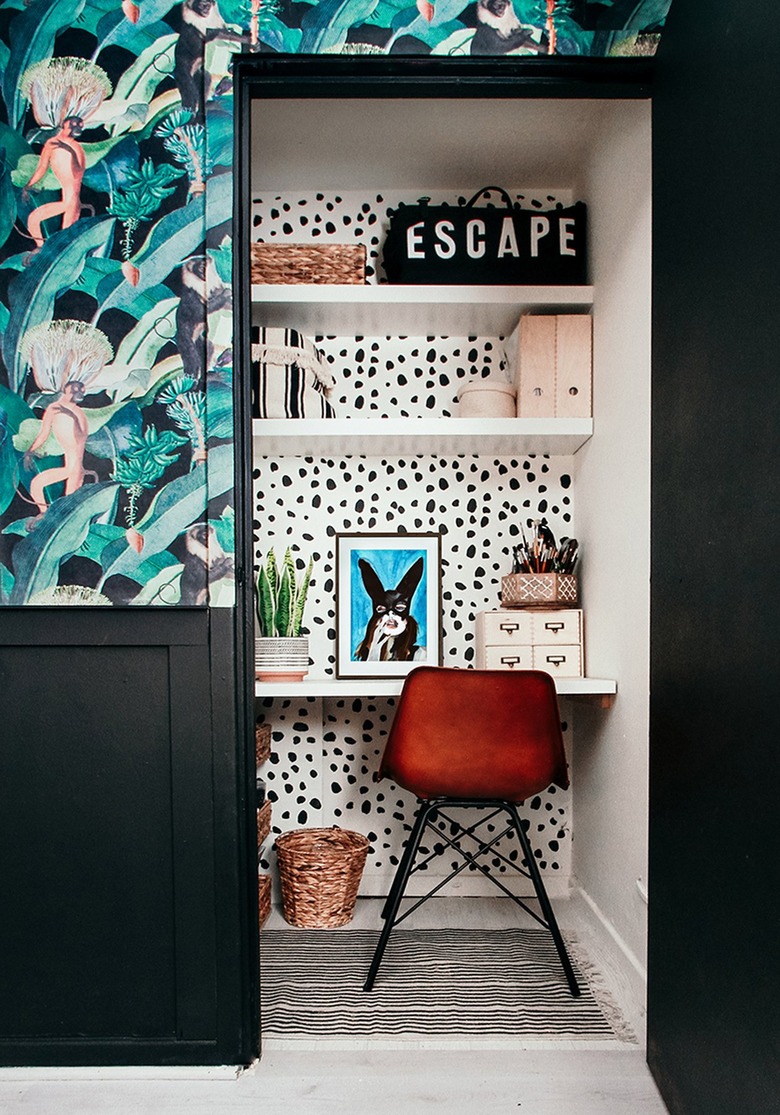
407	143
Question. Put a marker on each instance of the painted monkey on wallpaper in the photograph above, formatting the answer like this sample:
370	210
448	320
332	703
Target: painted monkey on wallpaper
65	420
201	23
67	359
499	30
204	562
202	292
64	156
63	93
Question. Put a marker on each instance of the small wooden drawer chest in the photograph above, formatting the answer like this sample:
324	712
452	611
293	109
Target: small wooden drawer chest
512	639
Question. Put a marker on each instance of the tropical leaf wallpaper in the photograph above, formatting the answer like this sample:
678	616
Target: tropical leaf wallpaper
115	264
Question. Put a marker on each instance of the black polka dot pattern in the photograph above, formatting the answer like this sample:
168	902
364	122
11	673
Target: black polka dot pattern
325	752
391	377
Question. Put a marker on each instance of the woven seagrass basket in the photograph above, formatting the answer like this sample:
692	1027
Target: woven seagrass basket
320	871
263	822
263	898
308	263
262	744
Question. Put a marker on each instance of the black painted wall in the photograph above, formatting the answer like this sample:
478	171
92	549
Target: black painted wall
714	991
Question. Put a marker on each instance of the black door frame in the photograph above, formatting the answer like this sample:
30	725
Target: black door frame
267	76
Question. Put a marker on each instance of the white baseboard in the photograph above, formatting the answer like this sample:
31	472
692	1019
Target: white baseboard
624	973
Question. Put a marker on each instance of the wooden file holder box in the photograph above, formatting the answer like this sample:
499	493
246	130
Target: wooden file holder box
554	366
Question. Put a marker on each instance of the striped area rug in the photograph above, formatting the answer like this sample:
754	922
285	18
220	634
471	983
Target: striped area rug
452	983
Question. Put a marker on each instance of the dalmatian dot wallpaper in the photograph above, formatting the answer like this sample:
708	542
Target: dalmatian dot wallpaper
323	758
116	191
326	751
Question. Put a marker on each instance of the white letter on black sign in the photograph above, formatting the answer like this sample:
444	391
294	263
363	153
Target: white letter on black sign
475	248
445	249
414	245
507	245
540	226
566	235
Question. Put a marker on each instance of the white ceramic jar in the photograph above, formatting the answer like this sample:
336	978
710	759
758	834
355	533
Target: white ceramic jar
487	398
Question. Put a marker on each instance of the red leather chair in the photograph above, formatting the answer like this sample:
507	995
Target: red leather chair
479	739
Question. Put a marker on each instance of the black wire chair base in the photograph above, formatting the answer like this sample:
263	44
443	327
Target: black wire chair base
428	814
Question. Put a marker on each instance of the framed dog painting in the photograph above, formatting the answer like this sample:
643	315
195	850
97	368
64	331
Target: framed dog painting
388	604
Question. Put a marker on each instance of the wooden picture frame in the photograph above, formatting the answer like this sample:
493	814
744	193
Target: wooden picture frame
388	604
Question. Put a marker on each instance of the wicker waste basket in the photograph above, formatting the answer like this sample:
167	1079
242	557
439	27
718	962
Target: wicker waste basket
320	870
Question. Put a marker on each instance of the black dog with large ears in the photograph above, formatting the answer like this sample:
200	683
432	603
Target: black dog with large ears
391	634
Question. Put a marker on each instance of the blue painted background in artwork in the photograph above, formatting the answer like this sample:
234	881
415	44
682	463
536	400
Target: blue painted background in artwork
390	566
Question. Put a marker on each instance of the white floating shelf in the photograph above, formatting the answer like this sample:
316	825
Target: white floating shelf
373	437
391	687
375	310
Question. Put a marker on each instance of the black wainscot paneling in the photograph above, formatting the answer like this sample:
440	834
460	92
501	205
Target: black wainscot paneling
111	945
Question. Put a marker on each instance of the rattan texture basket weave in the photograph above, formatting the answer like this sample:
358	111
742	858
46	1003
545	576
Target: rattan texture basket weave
262	743
263	898
308	263
263	822
320	870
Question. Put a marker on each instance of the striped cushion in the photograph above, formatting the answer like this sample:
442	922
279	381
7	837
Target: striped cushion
289	376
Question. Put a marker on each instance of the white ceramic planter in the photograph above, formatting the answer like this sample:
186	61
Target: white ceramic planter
280	659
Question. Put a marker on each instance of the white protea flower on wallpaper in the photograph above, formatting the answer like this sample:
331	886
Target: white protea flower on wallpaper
66	351
61	87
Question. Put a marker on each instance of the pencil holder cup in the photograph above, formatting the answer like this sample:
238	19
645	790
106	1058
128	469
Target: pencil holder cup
539	590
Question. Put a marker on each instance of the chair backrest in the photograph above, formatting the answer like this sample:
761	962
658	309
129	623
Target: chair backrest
476	734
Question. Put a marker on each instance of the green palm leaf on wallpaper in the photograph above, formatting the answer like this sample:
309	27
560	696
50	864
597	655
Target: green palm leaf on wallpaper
116	436
56	537
9	465
32	37
176	236
113	28
12	148
636	15
7	201
56	268
326	25
179	504
13	412
443	23
132	103
626	18
140	347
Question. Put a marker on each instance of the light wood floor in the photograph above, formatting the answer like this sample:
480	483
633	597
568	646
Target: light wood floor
417	1082
458	1077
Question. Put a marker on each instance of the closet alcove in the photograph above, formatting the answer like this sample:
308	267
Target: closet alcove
324	148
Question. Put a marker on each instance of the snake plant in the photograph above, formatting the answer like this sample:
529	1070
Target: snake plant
281	597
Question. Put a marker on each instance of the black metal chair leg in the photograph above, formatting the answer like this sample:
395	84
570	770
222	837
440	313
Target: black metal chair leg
397	889
405	863
544	902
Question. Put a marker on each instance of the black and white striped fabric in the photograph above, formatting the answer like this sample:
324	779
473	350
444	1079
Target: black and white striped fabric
289	376
454	983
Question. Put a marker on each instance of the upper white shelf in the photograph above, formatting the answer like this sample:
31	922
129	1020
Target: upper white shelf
409	311
372	437
391	687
